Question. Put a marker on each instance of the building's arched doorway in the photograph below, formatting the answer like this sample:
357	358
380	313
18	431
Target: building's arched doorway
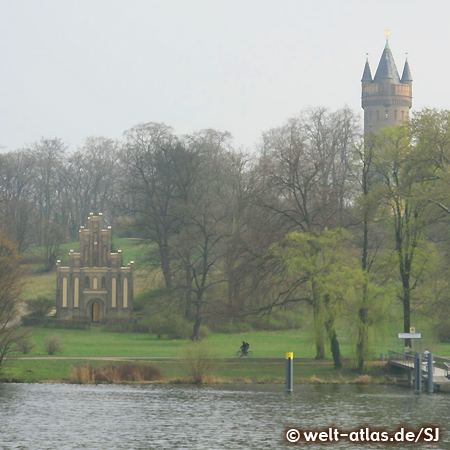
95	313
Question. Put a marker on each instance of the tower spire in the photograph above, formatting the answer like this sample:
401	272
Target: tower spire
406	76
387	70
367	74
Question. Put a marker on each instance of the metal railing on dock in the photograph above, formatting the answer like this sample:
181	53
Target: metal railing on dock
401	359
442	363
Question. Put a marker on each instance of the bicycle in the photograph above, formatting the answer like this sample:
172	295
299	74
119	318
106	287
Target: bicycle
240	353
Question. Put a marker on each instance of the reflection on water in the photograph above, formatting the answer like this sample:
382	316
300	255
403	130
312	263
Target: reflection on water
58	416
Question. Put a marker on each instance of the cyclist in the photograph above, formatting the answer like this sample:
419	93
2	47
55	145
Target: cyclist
244	347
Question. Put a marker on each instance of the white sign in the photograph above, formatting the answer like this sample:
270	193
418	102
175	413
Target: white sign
409	335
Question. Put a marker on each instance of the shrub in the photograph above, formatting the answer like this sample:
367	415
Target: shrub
178	327
443	332
53	344
239	327
40	306
173	326
140	301
129	371
115	372
82	374
125	326
51	322
363	379
203	333
279	320
128	328
200	363
24	345
33	257
157	325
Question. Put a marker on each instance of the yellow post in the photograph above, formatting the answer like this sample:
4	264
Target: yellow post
289	371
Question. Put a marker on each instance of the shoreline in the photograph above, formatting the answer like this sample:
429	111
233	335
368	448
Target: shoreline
173	370
304	382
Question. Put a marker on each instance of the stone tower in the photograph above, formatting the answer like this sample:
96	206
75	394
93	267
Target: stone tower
387	98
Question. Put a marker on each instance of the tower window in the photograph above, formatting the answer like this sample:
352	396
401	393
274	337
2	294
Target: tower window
378	115
86	282
403	116
387	113
395	114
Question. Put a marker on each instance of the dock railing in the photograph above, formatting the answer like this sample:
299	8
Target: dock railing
403	359
442	363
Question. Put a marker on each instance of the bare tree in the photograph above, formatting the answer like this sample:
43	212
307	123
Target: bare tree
89	182
48	160
204	202
149	185
10	289
16	205
306	164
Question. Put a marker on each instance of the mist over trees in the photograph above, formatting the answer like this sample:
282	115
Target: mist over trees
318	225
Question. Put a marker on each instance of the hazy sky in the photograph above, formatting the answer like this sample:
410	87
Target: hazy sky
76	68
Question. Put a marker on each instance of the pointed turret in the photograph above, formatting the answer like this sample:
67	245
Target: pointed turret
367	74
386	67
406	76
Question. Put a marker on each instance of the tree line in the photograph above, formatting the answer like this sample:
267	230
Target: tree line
318	216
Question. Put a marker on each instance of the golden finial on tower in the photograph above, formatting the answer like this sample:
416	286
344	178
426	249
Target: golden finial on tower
387	33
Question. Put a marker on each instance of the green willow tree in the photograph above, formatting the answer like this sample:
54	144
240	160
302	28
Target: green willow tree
367	207
369	238
326	275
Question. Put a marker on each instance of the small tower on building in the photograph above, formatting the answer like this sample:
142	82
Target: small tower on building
95	286
386	98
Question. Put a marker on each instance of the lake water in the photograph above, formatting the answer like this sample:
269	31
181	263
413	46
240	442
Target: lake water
62	416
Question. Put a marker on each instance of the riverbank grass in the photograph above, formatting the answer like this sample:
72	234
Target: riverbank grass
220	370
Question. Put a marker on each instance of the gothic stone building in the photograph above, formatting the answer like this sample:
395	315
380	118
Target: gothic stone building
95	285
386	98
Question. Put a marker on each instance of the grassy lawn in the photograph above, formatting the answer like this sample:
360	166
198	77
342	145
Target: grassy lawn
267	365
264	344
